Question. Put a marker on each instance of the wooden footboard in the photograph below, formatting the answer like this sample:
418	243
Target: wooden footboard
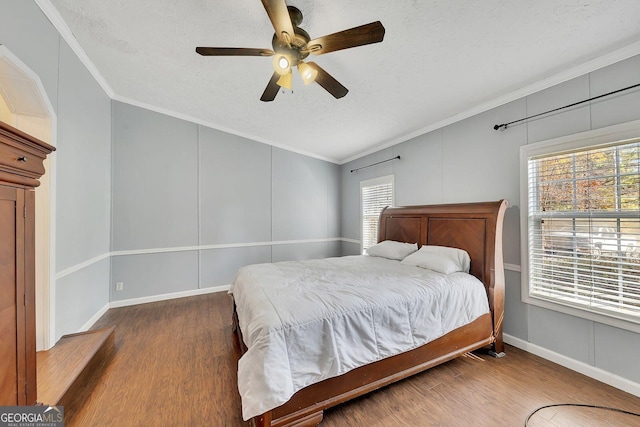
306	407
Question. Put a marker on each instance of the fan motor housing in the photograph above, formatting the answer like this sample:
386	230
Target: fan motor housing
296	50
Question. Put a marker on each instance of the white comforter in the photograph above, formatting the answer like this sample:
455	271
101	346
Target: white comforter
305	321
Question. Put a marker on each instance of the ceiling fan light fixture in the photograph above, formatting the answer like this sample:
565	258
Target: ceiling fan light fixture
307	72
292	45
285	81
282	64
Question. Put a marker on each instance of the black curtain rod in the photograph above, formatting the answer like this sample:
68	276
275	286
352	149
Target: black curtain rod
373	164
504	125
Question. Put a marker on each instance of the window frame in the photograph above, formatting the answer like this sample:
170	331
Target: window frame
612	135
387	179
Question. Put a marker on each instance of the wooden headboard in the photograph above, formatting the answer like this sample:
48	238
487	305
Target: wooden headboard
474	227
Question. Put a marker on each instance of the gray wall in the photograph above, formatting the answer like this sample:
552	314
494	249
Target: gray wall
469	161
82	174
192	204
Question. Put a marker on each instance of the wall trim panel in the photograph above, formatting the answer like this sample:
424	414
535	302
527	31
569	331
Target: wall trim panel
512	267
226	246
84	264
91	261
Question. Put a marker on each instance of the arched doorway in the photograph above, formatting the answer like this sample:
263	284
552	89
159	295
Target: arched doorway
24	104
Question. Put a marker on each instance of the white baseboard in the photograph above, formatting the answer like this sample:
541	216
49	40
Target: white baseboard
575	365
164	297
94	318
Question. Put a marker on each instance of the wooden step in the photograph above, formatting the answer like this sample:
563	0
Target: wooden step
68	371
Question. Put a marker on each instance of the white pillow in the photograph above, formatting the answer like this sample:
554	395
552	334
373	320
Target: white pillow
392	249
440	258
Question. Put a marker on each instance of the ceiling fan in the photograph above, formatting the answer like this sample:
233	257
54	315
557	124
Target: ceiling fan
291	45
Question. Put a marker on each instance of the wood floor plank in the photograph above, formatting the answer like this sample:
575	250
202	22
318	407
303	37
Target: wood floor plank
63	368
175	364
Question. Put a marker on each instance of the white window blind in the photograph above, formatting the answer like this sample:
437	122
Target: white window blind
375	194
584	229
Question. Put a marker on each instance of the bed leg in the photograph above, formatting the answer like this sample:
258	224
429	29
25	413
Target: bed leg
237	333
234	318
497	348
497	355
310	420
297	420
263	420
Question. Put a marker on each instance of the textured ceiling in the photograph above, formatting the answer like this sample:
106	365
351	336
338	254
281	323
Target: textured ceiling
439	59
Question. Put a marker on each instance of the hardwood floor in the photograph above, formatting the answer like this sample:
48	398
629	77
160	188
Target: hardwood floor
67	371
175	366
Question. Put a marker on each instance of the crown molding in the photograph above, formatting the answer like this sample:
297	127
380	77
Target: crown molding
56	20
587	67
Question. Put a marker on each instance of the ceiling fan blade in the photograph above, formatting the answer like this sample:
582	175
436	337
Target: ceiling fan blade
327	81
233	51
280	19
357	36
272	89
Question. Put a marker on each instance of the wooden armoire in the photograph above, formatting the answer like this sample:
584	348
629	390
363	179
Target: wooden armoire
21	165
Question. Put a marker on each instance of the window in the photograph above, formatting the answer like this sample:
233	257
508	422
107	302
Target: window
583	225
375	195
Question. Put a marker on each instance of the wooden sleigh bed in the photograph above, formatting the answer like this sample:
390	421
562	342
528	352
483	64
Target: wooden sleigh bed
474	227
